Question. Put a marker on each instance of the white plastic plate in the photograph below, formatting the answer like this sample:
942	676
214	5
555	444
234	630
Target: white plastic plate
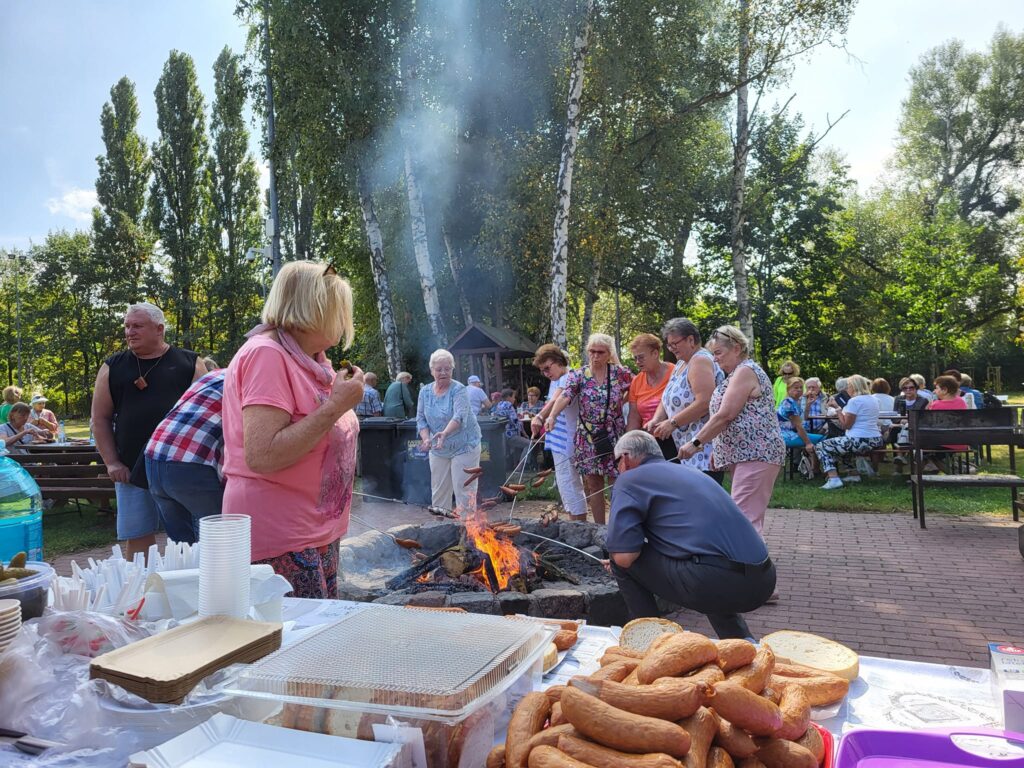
226	742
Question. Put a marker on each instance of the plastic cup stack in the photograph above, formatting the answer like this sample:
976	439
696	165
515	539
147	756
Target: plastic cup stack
224	553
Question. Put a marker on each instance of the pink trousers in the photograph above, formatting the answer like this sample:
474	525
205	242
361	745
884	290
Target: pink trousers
752	483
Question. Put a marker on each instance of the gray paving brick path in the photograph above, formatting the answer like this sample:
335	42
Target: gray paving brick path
875	582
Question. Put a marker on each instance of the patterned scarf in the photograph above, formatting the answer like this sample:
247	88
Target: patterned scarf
320	367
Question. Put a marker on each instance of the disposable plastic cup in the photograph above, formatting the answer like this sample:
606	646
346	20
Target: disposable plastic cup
224	554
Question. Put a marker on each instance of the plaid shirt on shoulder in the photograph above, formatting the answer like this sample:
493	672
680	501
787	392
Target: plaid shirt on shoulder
192	432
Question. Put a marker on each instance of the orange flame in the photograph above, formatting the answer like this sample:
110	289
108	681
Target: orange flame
503	553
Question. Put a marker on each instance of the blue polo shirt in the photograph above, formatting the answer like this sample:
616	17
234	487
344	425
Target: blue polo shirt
680	512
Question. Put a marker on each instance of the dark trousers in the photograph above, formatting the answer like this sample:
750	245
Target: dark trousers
184	493
719	592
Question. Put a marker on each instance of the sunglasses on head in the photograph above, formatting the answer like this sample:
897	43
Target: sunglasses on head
329	270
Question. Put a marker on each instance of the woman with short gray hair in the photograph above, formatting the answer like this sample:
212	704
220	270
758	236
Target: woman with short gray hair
743	425
684	403
448	429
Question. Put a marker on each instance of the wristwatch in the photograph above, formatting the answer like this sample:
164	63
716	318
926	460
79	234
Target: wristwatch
696	443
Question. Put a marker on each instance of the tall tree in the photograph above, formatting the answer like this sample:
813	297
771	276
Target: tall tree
769	35
122	238
235	200
379	270
962	127
563	189
421	251
180	192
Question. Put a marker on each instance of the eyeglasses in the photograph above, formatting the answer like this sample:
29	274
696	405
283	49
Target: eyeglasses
908	386
546	369
597	351
725	335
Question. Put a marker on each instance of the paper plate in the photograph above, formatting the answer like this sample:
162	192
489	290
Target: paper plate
225	741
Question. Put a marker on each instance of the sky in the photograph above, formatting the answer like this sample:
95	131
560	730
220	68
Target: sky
59	58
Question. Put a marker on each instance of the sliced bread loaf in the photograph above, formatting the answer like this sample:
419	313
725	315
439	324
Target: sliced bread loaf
638	634
814	651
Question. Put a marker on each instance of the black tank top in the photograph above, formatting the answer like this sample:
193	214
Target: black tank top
137	412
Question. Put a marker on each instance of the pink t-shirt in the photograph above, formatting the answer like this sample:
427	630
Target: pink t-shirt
953	404
306	504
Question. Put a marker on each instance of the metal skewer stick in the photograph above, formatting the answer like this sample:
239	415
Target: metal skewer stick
404	543
434	510
563	544
522	471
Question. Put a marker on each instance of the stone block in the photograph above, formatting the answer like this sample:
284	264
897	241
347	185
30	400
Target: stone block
607	607
558	603
514	602
575	533
594	550
357	594
475	602
600	536
428	599
395	598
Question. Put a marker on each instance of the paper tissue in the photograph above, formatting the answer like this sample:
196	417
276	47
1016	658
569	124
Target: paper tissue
175	594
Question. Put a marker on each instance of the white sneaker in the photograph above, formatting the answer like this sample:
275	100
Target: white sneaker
832	484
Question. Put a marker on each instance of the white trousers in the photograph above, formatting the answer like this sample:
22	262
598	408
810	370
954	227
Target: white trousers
570	485
446	477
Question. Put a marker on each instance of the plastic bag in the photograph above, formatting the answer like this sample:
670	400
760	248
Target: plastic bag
47	693
92	634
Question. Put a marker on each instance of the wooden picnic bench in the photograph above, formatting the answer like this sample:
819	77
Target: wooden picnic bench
69	473
931	430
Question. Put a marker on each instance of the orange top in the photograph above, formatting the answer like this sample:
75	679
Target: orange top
645	397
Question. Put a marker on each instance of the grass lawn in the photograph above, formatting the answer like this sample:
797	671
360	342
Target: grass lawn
64	531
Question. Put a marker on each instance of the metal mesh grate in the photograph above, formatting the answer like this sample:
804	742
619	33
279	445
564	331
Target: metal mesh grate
430	662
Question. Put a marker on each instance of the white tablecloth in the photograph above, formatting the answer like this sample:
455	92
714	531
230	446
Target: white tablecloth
887	694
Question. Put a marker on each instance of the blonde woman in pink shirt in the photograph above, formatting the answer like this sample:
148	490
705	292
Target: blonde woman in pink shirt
290	428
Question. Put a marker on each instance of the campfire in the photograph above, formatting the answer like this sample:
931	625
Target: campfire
486	557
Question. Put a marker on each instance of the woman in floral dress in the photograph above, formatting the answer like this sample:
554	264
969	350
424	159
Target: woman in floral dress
743	425
601	389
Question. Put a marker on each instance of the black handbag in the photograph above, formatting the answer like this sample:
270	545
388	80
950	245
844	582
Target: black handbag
601	437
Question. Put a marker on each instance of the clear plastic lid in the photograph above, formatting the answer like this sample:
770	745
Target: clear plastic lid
428	664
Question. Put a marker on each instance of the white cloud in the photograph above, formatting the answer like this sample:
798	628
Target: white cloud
76	203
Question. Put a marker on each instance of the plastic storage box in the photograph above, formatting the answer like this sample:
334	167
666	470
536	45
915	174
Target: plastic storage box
32	591
942	748
450	675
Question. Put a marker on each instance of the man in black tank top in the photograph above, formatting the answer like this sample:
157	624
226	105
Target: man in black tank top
134	391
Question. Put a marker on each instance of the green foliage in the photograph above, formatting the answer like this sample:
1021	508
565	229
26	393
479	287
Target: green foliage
123	239
232	302
179	200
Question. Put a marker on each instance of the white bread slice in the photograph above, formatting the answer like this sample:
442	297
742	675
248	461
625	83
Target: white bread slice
814	651
550	657
638	634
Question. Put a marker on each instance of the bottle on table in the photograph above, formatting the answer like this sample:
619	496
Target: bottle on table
62	436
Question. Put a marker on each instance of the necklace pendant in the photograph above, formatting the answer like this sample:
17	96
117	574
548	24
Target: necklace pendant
140	383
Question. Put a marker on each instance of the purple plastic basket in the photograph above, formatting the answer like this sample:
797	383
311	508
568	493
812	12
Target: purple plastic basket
871	748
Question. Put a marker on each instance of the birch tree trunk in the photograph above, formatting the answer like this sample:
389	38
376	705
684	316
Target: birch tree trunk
739	179
560	244
455	262
589	299
386	311
421	251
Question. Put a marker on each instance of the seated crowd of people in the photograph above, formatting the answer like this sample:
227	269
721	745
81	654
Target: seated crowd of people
24	423
861	417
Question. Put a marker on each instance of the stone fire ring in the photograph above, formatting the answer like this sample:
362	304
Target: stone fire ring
366	563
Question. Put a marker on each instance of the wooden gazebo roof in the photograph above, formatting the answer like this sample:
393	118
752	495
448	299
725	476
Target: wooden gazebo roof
482	349
481	338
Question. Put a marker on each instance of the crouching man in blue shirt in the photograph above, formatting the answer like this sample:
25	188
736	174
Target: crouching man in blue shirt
676	533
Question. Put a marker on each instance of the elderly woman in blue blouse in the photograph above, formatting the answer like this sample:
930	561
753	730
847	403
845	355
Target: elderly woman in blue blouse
791	422
448	429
